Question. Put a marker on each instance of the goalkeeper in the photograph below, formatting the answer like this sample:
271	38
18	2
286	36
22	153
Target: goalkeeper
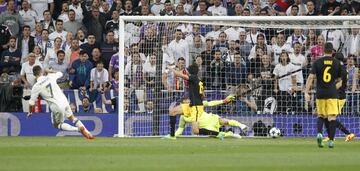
208	121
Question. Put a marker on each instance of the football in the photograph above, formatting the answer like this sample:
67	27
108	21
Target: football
274	132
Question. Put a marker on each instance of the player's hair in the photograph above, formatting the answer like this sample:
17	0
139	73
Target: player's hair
71	10
193	69
12	37
57	38
295	6
37	70
260	35
181	59
59	21
82	52
328	48
339	56
44	30
46	11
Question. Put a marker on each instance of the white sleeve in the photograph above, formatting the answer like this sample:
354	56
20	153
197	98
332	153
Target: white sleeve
92	74
276	70
22	72
252	53
106	73
56	75
35	91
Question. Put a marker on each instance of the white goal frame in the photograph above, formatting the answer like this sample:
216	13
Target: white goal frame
213	19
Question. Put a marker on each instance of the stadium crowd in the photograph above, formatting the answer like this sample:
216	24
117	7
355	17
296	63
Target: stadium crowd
80	39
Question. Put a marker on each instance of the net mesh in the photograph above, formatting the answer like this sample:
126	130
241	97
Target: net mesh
242	58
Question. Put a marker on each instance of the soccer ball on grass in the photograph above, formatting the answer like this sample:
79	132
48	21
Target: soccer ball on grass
274	132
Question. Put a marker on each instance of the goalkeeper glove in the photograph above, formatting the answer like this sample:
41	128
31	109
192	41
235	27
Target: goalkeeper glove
229	99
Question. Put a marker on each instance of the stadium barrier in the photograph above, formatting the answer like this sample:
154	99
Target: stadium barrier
16	124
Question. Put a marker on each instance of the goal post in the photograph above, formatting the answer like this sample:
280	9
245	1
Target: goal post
157	90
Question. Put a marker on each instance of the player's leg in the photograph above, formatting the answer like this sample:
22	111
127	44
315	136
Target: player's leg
230	122
182	122
341	127
57	120
77	122
321	111
332	109
173	112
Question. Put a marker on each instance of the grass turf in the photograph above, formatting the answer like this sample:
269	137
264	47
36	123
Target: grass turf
125	154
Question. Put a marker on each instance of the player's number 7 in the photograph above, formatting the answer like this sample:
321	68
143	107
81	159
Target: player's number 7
50	89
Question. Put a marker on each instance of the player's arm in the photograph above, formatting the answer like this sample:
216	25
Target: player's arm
35	91
309	83
228	99
179	74
338	83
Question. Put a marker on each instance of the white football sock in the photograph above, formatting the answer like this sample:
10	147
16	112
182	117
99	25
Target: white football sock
78	123
67	127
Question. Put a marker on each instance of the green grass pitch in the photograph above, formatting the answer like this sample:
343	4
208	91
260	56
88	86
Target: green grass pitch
185	154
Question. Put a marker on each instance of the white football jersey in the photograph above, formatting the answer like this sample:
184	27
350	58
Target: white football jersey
49	90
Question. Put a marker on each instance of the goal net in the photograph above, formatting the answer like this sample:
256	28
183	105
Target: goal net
265	61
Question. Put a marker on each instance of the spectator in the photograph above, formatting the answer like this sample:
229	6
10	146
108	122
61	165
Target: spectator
113	25
109	48
39	57
45	43
279	46
26	43
80	72
11	18
229	54
59	32
301	8
196	48
72	25
311	9
96	57
217	9
37	32
94	22
221	43
51	53
150	43
98	77
202	68
352	45
168	9
216	72
195	32
297	36
236	71
10	58
28	15
73	108
26	72
76	7
4	37
207	54
66	45
115	82
180	10
336	37
265	79
352	84
129	9
244	46
114	65
252	36
61	65
149	107
331	7
170	81
48	23
90	45
41	6
260	43
73	53
156	7
311	40
284	87
318	50
179	48
150	72
64	15
86	107
202	4
80	35
246	102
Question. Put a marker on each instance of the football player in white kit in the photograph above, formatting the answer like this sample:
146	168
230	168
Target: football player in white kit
49	90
